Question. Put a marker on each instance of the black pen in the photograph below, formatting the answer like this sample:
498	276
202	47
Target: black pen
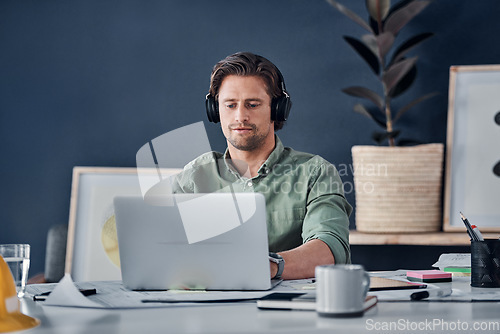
43	296
471	233
431	293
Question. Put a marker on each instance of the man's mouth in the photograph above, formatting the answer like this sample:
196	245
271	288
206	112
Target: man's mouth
241	129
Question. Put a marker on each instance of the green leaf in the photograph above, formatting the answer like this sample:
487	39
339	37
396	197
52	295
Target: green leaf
408	45
378	9
379	44
361	109
365	93
412	104
405	83
399	18
350	14
385	41
399	5
370	40
365	53
396	72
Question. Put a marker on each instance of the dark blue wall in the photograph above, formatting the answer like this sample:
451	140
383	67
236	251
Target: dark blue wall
89	82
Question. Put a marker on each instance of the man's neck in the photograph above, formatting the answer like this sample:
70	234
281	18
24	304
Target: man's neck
247	163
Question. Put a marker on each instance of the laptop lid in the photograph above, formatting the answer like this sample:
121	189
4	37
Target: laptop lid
214	241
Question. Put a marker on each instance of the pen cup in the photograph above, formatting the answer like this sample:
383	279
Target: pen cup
485	263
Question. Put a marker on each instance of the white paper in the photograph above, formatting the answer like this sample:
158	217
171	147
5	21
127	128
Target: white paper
67	294
113	295
457	260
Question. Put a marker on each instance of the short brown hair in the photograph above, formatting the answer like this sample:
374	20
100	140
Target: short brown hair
248	64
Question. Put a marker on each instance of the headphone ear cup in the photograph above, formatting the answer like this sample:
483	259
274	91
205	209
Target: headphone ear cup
281	108
212	108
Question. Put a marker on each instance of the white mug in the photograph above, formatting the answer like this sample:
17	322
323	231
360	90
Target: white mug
341	290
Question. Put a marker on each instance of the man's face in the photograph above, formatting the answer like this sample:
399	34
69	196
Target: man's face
245	112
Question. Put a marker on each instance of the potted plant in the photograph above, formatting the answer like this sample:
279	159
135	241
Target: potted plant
398	189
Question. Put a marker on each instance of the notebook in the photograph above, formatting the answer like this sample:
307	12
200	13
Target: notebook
214	241
299	301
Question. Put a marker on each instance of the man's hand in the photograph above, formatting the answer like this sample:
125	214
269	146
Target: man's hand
300	262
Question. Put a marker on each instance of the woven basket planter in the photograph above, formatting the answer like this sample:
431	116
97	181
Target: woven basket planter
398	189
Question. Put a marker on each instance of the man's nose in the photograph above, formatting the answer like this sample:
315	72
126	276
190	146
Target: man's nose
241	114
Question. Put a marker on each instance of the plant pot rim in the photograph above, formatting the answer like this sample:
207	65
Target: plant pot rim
393	147
431	147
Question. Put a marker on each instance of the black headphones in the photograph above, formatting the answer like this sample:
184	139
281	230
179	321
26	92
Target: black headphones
280	106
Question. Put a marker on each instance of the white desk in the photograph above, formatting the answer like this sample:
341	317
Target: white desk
246	318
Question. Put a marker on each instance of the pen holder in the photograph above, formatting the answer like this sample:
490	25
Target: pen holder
485	263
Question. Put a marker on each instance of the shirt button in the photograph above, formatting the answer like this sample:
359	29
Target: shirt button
250	184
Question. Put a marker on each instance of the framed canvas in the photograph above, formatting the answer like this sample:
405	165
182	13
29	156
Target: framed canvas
92	248
472	183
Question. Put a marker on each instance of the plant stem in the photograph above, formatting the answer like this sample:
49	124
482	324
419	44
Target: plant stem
388	119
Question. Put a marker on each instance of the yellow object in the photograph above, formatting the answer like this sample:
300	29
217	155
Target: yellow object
109	240
11	318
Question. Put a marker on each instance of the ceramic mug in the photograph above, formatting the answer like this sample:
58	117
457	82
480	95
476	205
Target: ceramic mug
341	290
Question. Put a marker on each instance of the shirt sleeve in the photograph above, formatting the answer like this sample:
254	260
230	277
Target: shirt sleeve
327	212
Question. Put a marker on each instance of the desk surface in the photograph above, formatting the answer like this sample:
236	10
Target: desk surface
246	318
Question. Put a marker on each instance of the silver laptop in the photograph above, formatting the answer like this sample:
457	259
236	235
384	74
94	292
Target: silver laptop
212	241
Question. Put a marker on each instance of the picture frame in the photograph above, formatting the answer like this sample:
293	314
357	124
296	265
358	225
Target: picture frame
92	247
472	176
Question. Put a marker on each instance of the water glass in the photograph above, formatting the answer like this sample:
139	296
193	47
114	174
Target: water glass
17	257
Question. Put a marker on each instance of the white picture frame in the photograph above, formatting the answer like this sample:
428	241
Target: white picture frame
91	205
92	247
473	148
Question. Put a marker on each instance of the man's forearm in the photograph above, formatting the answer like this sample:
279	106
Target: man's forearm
300	262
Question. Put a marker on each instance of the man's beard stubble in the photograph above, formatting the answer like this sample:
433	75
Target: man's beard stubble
250	143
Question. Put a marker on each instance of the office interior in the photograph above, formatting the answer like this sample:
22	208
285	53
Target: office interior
87	83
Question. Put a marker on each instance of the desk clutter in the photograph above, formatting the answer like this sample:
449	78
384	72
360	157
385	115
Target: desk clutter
482	265
387	286
337	291
389	299
485	258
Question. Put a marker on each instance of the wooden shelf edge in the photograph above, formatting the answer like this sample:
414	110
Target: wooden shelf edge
421	239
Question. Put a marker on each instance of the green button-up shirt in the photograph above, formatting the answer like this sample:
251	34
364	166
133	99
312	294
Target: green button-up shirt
303	192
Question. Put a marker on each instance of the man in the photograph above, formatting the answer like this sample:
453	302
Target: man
307	213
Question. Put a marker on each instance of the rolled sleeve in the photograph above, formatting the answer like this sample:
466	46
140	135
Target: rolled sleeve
327	212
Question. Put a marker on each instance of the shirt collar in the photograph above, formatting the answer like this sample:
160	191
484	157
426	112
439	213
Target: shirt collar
269	163
273	158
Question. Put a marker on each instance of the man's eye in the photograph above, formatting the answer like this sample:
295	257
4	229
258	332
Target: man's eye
253	105
230	106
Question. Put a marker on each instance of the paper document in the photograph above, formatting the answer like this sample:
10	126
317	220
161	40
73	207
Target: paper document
457	260
113	295
67	294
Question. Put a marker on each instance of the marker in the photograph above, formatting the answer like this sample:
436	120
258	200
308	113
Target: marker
477	232
472	235
431	293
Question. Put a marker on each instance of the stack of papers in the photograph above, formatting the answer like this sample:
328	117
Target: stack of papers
458	264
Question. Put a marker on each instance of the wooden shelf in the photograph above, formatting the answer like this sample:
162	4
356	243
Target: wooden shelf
423	239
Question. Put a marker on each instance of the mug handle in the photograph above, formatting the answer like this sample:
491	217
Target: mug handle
366	284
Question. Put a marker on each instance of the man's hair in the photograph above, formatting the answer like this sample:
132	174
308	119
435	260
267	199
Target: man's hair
248	64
